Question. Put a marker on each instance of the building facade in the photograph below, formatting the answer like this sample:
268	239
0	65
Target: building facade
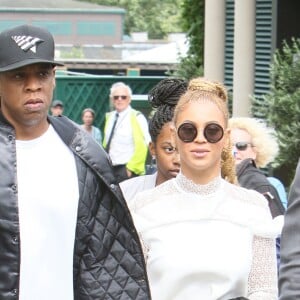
241	37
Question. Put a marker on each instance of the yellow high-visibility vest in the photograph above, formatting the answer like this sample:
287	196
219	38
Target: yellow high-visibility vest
136	164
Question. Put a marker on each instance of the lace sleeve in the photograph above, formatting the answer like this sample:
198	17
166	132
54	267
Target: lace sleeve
262	283
145	248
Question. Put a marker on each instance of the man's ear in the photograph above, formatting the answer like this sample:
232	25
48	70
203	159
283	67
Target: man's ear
54	80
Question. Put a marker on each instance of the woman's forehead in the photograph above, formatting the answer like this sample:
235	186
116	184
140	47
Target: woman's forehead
201	111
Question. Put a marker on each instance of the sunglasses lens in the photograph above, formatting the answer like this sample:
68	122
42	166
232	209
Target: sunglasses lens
187	132
242	146
213	133
122	97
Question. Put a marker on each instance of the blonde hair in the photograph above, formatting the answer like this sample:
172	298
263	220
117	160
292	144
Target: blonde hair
228	170
201	89
263	138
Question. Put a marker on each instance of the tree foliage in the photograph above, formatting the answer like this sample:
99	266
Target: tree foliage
193	24
282	105
75	52
157	17
160	17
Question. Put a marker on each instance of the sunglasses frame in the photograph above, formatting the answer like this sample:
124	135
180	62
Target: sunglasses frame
206	135
242	146
122	97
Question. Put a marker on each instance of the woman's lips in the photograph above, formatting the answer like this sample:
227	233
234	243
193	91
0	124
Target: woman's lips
200	152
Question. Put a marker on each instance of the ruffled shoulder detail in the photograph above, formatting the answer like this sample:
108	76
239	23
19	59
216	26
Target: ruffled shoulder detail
169	203
143	198
251	209
251	197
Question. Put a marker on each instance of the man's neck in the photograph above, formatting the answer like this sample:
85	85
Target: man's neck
31	132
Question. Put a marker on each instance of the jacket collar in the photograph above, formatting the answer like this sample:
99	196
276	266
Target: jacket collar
84	146
243	165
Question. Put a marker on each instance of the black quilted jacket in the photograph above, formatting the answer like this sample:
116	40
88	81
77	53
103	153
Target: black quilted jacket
108	260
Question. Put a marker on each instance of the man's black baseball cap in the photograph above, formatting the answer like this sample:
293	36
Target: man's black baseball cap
25	45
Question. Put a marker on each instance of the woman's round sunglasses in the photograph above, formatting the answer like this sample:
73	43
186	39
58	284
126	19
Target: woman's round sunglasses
212	132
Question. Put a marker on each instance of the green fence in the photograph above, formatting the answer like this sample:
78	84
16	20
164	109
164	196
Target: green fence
79	91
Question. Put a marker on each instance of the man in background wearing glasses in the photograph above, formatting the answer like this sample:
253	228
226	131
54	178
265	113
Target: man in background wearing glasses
126	135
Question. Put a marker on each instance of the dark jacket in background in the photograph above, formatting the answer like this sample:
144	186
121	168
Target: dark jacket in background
108	260
250	177
289	273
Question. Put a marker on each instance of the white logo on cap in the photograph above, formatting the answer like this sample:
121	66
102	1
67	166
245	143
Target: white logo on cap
26	42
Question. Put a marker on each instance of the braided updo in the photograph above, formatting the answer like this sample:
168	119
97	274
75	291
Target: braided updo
163	98
205	86
203	89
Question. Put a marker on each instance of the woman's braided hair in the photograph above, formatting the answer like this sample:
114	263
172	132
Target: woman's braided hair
163	99
215	92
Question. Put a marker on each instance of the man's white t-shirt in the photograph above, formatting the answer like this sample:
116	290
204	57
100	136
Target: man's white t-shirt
48	200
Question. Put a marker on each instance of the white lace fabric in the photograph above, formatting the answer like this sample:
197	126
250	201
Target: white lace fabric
262	283
188	186
180	204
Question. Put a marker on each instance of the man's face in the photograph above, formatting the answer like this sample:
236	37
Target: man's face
26	95
57	110
120	99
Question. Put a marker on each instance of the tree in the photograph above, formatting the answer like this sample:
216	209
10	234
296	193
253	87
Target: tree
281	106
156	17
160	17
75	52
193	24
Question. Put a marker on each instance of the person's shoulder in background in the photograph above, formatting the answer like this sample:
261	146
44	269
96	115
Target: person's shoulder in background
132	186
280	189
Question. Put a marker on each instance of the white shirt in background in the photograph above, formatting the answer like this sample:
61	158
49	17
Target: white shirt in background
122	143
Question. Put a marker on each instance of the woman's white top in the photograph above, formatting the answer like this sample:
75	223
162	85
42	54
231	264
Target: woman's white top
213	241
130	187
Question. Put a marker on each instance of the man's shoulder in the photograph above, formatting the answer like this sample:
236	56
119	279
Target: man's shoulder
64	126
140	117
134	112
63	120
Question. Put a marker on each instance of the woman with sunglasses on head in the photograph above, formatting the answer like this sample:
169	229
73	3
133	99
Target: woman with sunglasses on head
255	146
203	237
163	98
